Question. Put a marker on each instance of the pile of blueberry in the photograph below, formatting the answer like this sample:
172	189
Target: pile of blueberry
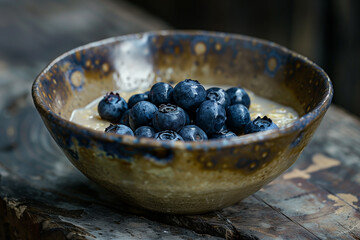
186	112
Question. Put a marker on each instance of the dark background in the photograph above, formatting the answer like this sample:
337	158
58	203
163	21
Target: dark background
325	31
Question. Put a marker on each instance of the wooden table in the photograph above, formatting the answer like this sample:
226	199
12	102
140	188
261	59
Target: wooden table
42	196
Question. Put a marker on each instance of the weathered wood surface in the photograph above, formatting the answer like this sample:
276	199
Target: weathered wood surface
42	196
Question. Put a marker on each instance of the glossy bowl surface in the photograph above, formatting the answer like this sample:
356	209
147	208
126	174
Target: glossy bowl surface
179	177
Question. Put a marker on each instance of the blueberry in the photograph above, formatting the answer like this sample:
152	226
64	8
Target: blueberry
224	128
219	95
193	133
260	124
168	135
145	131
141	114
187	118
112	107
237	117
169	117
189	94
223	134
134	99
210	117
161	93
125	118
119	129
238	95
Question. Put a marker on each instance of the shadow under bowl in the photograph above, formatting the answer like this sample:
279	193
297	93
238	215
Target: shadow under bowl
181	177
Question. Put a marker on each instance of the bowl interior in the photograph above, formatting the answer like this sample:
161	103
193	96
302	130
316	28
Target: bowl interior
135	62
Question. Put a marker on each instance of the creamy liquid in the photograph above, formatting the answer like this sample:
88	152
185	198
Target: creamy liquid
281	115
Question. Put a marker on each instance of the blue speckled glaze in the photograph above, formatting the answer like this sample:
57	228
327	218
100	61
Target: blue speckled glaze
199	39
71	73
127	165
172	45
278	58
297	140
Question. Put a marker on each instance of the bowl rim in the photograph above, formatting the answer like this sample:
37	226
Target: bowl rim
297	125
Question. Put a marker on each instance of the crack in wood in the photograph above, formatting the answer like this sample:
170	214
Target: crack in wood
335	194
350	232
355	236
5	168
299	195
297	223
234	232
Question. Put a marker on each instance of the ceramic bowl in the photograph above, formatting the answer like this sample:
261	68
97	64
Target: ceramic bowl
181	177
